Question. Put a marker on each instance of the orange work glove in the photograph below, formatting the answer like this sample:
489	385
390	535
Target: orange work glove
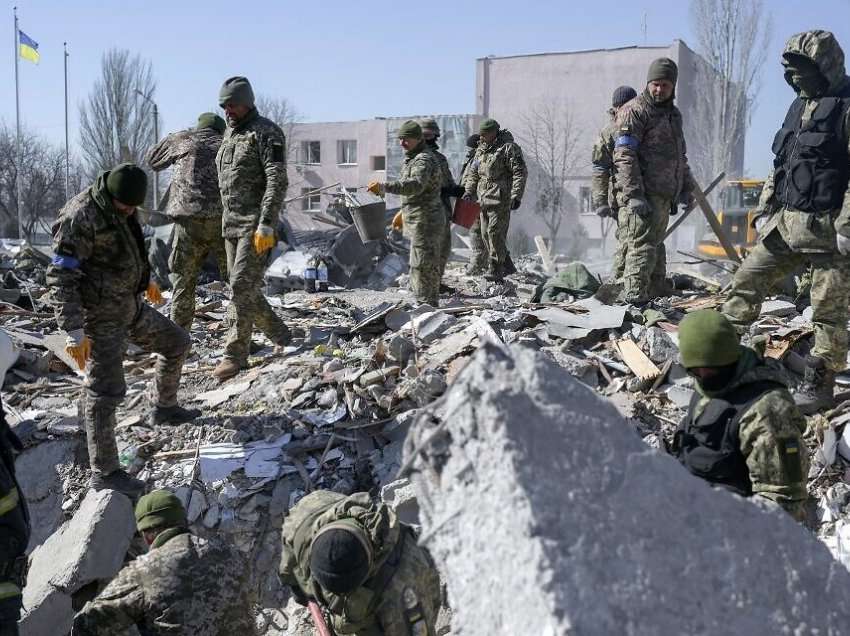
264	238
78	346
375	187
398	221
153	293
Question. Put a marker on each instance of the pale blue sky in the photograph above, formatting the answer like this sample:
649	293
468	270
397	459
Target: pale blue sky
339	60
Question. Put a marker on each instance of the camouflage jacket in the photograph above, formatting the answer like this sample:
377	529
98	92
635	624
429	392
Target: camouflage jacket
649	150
251	175
193	191
419	185
498	173
464	169
14	516
803	231
185	586
99	257
447	182
771	436
602	182
401	595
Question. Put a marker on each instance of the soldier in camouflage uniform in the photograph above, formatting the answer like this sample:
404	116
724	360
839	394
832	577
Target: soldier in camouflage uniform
252	177
185	585
194	203
603	186
419	185
742	431
496	180
480	258
361	565
652	177
97	277
431	133
804	211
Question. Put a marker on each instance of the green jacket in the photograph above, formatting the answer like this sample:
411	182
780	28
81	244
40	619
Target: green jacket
498	173
419	185
764	430
251	175
602	181
402	593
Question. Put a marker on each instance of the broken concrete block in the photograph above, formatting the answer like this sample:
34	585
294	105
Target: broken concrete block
661	346
400	349
601	530
90	547
778	308
432	325
400	496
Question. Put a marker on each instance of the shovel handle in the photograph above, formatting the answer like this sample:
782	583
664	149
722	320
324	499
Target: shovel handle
319	619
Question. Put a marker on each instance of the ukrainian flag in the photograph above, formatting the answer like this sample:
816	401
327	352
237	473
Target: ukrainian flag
28	47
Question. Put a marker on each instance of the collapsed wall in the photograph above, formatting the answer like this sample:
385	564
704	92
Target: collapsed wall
548	515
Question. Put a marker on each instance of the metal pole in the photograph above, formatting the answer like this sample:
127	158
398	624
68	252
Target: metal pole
18	135
67	160
155	141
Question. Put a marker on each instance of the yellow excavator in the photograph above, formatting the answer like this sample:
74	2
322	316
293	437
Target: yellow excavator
738	203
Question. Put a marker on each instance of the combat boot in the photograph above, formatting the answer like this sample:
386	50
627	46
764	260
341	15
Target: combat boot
817	391
495	273
510	268
226	369
119	481
172	415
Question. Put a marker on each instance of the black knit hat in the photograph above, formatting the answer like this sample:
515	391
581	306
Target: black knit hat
128	183
621	95
339	559
472	140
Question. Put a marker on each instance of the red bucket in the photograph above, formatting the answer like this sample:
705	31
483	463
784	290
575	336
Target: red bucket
466	213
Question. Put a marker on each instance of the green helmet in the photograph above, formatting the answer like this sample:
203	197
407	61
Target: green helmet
708	339
160	509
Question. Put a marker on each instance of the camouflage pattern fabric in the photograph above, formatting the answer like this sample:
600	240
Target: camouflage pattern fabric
419	185
771	438
194	239
249	306
380	606
185	586
497	176
649	151
642	241
251	175
768	263
480	257
603	186
447	182
193	191
97	279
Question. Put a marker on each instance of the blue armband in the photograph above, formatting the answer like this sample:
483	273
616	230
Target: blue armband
626	140
66	262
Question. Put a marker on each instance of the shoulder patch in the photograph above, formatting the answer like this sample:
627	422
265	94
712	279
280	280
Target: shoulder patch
626	140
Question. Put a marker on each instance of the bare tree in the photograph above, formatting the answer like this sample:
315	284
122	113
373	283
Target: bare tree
41	169
549	140
282	112
733	38
116	121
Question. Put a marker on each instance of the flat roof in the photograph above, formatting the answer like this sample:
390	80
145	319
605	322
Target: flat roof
619	48
387	118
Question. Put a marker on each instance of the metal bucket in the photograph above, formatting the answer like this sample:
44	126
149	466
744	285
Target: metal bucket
370	221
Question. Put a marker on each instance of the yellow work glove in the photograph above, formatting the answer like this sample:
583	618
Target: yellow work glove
375	187
264	238
398	221
78	346
153	293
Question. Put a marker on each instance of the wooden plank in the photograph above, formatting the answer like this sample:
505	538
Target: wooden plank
637	360
711	217
685	214
545	255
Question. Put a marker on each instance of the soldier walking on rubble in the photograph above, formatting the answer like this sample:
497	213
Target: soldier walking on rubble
479	258
361	565
652	178
496	179
97	277
804	211
742	431
194	204
603	183
252	178
419	185
183	585
448	189
14	532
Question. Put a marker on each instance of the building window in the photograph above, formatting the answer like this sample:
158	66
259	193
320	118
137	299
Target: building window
313	203
311	152
346	151
584	201
378	162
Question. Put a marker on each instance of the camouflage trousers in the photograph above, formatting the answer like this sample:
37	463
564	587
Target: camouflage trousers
10	613
480	258
618	265
110	329
446	244
425	256
769	262
494	232
641	238
194	240
249	306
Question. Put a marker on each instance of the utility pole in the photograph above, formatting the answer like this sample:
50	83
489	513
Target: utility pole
18	132
155	140
67	157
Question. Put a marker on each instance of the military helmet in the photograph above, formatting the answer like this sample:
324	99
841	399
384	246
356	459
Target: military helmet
160	509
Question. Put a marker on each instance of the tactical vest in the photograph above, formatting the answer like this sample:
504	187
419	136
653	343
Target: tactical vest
811	166
709	446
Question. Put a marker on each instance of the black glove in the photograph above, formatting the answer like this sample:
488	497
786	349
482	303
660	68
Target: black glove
452	191
603	210
515	203
468	197
687	199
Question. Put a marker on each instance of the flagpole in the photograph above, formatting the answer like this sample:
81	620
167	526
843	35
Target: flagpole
67	161
18	130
